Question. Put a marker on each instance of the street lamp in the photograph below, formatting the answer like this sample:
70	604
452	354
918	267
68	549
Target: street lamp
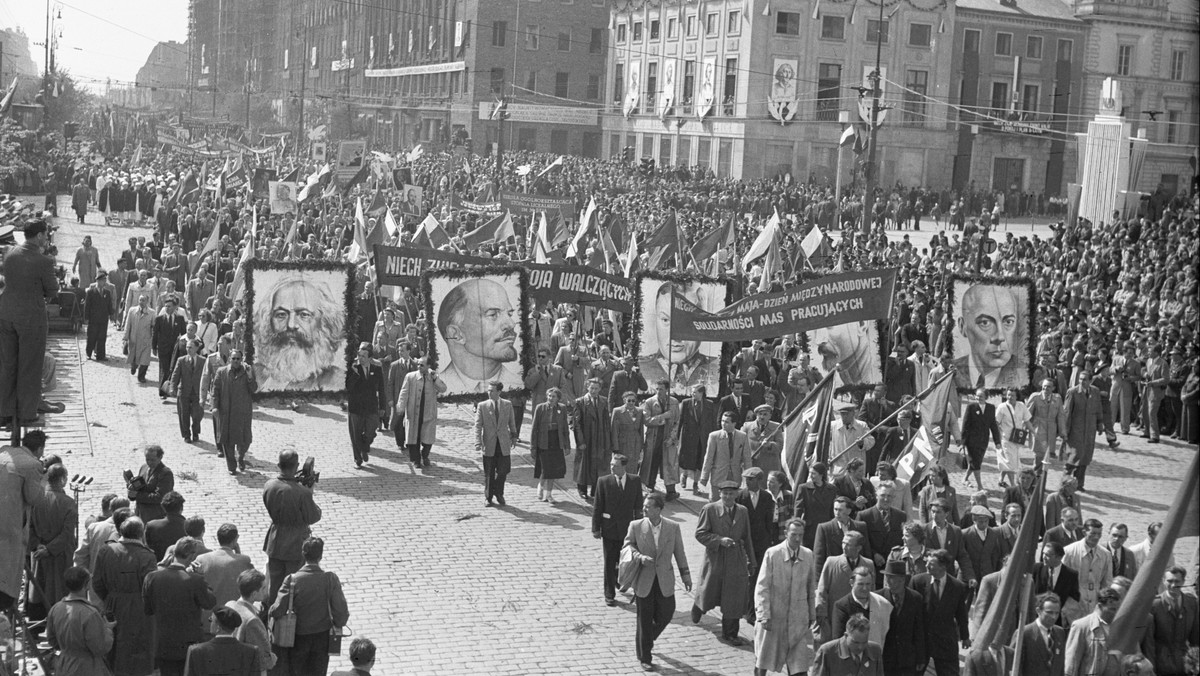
872	169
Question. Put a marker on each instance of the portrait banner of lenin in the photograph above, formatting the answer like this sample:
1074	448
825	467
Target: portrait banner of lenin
298	320
854	346
690	362
477	329
992	341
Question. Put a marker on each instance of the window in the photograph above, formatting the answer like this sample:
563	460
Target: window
560	84
499	33
876	31
704	152
731	67
691	27
618	93
497	80
1033	47
1065	49
672	28
919	34
787	23
596	44
532	35
1004	44
971	41
917	82
683	156
637	31
1030	95
1173	117
564	41
593	88
689	86
531	81
664	152
614	146
650	98
1124	59
1000	98
711	27
558	141
829	85
734	25
1178	64
833	27
724	158
621	34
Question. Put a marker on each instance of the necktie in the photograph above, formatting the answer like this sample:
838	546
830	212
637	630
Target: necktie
1116	563
886	521
729	444
979	382
937	590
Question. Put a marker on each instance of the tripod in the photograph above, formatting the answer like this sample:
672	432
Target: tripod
20	644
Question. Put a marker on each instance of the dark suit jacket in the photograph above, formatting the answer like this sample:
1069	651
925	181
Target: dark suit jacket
29	283
175	597
98	304
945	617
762	528
1061	536
365	395
845	487
696	422
882	540
904	647
985	554
828	541
977	424
164	532
756	392
167	330
1036	658
221	656
739	412
1127	565
615	508
954	545
1067	585
185	379
892	442
624	381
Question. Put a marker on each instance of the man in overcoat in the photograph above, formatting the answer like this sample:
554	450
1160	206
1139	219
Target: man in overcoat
785	595
185	387
591	420
1083	415
697	420
99	307
662	413
416	407
233	392
724	530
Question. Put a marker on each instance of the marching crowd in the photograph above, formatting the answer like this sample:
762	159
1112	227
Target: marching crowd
1116	349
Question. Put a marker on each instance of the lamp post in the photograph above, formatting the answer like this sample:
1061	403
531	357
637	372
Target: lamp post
871	169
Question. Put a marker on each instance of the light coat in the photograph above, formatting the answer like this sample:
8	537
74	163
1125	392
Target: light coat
785	594
1092	578
656	564
494	424
725	459
417	420
21	487
139	335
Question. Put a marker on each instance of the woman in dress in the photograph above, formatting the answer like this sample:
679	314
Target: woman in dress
1012	415
628	425
206	331
549	441
814	501
938	486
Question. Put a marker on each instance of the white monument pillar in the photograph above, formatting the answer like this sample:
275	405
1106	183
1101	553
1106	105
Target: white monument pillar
1104	159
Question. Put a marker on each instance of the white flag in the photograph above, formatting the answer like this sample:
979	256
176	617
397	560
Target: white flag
760	245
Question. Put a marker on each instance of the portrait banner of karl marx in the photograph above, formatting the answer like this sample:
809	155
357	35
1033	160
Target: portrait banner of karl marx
477	329
690	362
992	340
297	319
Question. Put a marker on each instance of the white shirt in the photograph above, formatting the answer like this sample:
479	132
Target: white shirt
656	530
754	499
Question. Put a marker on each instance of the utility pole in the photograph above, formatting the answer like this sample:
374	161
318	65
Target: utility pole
217	58
301	136
250	51
872	170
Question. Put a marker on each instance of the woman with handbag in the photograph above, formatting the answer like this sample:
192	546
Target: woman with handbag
549	442
1016	430
310	610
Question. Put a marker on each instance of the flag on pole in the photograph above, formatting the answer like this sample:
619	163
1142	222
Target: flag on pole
772	263
358	177
541	247
358	248
812	241
762	242
6	102
806	431
848	135
497	229
709	245
289	242
389	223
430	234
631	257
315	183
210	245
584	224
239	274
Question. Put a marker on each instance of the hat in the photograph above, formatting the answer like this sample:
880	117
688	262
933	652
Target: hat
980	510
762	407
896	568
905	413
752	472
728	484
844	406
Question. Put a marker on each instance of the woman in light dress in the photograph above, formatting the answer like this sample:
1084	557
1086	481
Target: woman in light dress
1012	415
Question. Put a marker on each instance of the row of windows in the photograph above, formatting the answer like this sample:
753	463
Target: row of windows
833	27
1004	45
649	98
638	30
1176	69
532	38
562	84
660	146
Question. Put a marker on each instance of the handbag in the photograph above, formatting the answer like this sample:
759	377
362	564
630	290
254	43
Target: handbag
962	461
283	629
335	634
1018	435
627	568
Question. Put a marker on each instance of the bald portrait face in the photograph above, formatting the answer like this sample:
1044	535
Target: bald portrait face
483	326
989	323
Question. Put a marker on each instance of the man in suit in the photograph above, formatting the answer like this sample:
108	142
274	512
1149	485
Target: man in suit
724	530
941	534
654	540
761	508
1050	575
618	503
404	364
852	655
1087	642
979	423
755	391
495	430
1092	561
737	403
29	283
1043	641
208	377
365	402
99	307
862	600
837	577
1155	376
185	387
1083	415
945	601
1124	564
728	452
293	511
222	655
900	375
984	546
1173	626
168	327
221	567
828	539
603	369
765	443
1066	532
174	596
904	647
628	379
893	440
698	418
989	322
1013	512
885	526
542	377
854	485
163	532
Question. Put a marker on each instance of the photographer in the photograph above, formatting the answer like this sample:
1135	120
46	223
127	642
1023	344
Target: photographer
153	481
290	504
30	281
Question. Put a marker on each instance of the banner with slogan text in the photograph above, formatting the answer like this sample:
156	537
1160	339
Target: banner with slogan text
524	203
402	266
457	202
828	301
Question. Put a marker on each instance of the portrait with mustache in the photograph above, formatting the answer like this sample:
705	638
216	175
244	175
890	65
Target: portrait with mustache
298	334
477	320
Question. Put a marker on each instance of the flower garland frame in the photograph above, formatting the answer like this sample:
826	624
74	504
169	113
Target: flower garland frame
348	331
1030	320
525	358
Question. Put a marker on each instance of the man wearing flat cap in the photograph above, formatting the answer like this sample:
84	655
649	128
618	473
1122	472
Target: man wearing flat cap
904	647
724	530
765	443
761	508
29	283
848	439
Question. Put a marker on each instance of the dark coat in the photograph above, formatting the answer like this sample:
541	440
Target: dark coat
616	508
292	510
739	412
977	424
985	554
365	395
30	282
892	442
623	381
167	330
1036	658
945	617
1066	587
1168	634
954	545
828	541
164	532
222	655
814	504
762	526
175	597
1060	535
696	422
98	304
882	540
845	487
904	647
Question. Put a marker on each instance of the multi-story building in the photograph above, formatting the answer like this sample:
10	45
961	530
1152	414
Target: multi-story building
232	48
1017	67
762	89
162	80
1151	48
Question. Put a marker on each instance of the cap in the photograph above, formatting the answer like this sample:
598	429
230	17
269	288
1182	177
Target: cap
980	510
752	472
728	484
896	568
761	408
844	406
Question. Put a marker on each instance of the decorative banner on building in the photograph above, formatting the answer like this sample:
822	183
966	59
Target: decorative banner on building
666	97
828	301
708	87
579	284
633	88
782	103
525	203
350	158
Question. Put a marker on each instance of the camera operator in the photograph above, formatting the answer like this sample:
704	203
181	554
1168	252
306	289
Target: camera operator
29	282
290	504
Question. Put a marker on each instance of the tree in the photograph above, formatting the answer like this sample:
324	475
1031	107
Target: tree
73	103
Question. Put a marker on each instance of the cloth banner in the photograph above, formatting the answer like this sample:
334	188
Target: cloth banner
457	202
524	203
828	301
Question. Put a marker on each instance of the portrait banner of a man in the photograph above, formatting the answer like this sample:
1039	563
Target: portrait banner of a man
477	330
690	362
855	346
992	339
297	325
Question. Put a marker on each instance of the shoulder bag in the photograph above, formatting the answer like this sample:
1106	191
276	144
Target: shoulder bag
627	568
283	629
1018	435
335	632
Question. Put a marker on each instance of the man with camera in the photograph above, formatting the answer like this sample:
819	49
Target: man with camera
29	282
289	501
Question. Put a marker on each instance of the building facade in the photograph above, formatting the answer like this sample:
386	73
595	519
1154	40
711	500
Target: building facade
162	80
1018	67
